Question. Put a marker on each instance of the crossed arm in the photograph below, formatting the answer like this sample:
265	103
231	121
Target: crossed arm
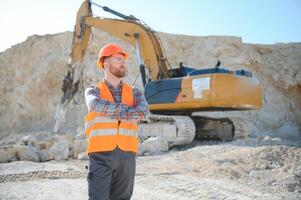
115	110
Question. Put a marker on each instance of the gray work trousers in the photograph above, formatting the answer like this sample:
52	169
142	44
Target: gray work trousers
111	175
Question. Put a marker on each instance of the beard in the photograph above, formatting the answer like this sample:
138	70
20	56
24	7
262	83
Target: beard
118	73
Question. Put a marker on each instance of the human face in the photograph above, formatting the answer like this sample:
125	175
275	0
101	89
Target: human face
116	64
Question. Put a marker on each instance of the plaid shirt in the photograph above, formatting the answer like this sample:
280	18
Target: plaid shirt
116	110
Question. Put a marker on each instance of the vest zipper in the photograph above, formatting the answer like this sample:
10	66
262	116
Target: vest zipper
118	127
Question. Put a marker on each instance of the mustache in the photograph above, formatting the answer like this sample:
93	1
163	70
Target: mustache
118	72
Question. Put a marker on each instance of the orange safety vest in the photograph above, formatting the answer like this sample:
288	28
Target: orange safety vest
104	133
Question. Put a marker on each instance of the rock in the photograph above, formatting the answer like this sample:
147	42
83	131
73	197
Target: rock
45	155
60	150
277	141
81	136
71	150
291	187
80	130
253	173
153	145
83	156
292	183
267	140
11	139
234	174
64	136
262	165
79	147
28	153
298	173
67	137
265	155
272	182
25	140
8	154
41	140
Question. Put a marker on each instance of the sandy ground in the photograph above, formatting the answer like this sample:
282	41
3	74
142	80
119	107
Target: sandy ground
251	169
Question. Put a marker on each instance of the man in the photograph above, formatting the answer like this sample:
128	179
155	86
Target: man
111	125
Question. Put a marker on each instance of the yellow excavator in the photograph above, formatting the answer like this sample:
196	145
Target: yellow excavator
172	93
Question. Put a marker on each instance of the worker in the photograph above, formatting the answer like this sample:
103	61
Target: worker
114	107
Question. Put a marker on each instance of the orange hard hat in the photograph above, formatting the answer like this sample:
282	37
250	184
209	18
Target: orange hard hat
109	50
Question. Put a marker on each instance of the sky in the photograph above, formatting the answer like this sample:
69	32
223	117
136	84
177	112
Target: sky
255	21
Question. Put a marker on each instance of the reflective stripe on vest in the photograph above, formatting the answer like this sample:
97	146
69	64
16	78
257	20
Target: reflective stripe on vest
104	133
94	118
98	132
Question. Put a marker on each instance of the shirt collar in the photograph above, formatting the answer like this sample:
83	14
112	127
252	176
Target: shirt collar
111	86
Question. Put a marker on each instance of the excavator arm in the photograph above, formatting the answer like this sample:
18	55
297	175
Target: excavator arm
80	42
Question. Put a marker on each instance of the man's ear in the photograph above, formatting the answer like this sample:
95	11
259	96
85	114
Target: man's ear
105	65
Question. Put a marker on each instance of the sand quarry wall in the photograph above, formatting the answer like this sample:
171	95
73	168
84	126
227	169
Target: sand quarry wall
31	75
